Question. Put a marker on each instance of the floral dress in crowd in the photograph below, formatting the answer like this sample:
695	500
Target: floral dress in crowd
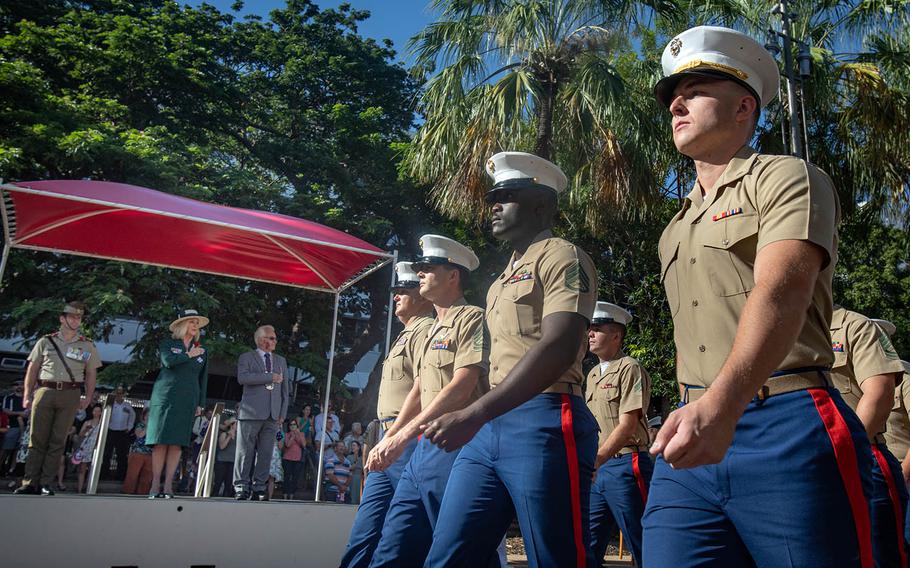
87	447
275	469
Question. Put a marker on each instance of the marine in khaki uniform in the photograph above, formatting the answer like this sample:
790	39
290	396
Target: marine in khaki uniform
866	367
416	313
531	440
618	394
764	447
451	370
59	366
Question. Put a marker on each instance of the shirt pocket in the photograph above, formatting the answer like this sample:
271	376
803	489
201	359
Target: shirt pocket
522	318
396	362
729	254
669	255
442	362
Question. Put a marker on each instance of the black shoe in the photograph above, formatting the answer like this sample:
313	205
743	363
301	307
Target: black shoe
27	490
46	490
242	495
259	496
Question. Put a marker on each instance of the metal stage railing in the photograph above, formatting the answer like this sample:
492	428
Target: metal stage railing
205	463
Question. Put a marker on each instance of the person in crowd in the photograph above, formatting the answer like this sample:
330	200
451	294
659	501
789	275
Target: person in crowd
336	423
263	407
618	394
138	478
865	371
119	431
337	473
355	458
223	482
292	460
451	372
330	439
276	471
398	370
68	448
12	406
307	422
88	439
763	447
59	366
176	395
531	440
355	435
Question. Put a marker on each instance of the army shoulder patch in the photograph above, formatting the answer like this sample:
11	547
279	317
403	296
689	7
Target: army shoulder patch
887	346
577	279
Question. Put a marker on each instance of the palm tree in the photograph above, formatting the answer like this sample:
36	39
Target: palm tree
545	76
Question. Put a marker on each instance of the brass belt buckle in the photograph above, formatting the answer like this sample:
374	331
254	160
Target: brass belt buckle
763	393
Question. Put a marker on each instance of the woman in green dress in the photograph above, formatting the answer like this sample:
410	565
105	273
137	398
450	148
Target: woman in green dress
178	391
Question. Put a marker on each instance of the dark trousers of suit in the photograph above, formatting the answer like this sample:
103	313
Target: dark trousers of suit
255	443
117	441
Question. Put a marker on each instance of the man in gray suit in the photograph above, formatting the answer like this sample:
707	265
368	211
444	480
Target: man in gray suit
262	410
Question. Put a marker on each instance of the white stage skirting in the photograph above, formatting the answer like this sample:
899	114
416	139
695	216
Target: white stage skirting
100	531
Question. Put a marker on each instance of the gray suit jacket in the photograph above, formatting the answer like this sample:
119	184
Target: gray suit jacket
259	403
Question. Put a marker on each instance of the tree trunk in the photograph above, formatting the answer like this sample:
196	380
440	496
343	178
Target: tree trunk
543	145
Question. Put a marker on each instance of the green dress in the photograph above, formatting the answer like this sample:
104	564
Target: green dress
179	389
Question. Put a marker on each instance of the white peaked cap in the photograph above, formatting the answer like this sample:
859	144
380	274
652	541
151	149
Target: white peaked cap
405	277
712	51
885	325
605	312
520	169
437	249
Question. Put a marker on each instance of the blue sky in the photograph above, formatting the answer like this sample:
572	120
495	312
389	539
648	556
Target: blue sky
396	20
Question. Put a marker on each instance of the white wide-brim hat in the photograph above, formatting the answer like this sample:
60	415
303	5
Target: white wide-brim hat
187	315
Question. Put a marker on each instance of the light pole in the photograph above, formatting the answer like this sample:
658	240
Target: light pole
796	110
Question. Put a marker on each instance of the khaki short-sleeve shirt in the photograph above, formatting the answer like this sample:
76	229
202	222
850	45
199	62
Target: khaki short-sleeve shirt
861	350
708	251
80	354
552	276
398	367
457	341
897	434
624	386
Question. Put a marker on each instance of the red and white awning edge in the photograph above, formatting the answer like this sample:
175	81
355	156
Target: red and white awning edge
335	258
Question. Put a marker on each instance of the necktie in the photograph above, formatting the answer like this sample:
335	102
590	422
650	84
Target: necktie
268	363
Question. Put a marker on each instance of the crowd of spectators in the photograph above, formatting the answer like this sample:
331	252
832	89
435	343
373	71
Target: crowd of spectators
127	459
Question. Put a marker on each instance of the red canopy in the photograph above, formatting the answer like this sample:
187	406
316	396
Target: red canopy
129	223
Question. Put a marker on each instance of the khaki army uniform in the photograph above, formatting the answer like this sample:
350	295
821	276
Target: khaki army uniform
708	252
897	434
454	342
553	275
623	386
398	368
55	402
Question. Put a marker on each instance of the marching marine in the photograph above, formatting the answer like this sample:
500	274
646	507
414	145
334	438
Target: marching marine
416	313
618	394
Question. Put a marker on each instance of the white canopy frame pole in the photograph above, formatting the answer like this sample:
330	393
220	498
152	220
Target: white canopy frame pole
3	259
388	323
325	405
7	234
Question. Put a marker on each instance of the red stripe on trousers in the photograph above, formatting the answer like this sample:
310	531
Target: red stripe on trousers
636	471
895	500
568	436
845	455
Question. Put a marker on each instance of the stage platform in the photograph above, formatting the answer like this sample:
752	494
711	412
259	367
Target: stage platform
105	531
